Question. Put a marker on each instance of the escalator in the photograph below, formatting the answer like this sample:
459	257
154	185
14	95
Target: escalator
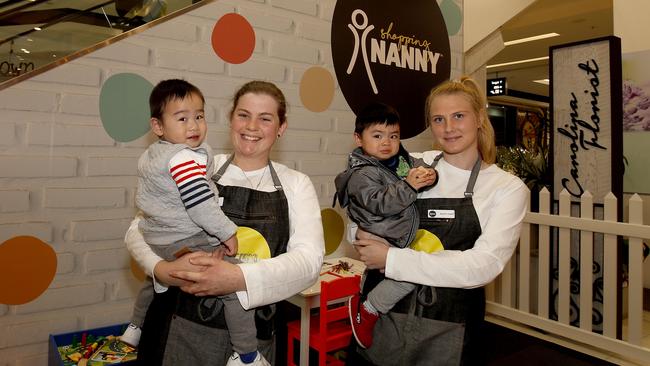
36	33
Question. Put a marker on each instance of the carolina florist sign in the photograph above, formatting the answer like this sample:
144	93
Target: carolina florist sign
587	118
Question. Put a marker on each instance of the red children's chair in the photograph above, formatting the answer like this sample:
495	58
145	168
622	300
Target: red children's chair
330	329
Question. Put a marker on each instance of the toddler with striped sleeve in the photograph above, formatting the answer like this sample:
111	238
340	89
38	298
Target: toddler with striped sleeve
180	207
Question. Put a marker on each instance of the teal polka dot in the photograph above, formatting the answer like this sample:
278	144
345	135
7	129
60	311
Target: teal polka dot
124	106
453	16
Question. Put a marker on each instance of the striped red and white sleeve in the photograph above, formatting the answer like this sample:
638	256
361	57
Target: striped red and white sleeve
187	169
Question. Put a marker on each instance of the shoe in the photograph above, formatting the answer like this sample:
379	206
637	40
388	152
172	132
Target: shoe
235	360
363	321
131	335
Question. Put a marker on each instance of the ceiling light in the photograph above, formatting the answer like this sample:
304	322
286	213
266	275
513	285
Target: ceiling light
530	39
542	81
517	62
37	28
24	50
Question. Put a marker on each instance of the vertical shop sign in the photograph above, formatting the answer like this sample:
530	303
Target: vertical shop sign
586	106
586	152
390	52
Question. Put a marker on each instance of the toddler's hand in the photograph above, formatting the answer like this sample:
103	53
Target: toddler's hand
232	245
421	177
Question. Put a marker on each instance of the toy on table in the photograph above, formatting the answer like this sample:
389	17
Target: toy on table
96	351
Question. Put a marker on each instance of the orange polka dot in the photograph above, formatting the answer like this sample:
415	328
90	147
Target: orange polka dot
136	271
317	89
27	267
233	38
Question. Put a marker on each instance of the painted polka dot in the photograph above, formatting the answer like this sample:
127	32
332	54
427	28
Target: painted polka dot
124	106
27	267
137	272
453	16
333	227
233	38
317	89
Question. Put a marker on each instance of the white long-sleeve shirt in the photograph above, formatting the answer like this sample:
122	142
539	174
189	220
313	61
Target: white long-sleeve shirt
501	202
277	278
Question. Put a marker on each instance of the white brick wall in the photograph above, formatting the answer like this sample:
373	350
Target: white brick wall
112	166
107	260
65	297
67	135
14	200
65	263
293	51
123	52
41	230
73	74
32	332
94	230
84	197
65	181
28	100
7	134
259	70
265	20
37	166
301	6
187	60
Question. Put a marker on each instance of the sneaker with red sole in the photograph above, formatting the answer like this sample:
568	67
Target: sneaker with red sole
363	321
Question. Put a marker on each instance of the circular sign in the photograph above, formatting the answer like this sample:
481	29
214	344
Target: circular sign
384	51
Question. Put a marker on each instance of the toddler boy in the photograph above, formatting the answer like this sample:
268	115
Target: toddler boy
379	189
180	205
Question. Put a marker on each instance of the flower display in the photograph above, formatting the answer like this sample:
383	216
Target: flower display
636	107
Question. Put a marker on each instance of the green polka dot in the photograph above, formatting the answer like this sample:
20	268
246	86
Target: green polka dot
453	16
124	106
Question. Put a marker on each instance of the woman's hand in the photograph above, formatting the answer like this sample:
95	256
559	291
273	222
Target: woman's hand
372	249
218	277
163	269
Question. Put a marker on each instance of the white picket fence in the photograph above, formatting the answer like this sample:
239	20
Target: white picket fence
511	301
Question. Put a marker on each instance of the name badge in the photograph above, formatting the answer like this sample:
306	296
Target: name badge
441	214
220	201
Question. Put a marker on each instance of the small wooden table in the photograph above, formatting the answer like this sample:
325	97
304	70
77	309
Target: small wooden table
310	297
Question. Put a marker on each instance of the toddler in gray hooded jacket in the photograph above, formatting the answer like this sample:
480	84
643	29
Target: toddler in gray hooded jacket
379	189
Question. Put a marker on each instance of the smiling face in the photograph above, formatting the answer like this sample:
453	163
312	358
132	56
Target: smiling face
182	121
254	127
381	141
455	127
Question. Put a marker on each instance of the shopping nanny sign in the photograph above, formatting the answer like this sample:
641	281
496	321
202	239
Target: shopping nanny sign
390	52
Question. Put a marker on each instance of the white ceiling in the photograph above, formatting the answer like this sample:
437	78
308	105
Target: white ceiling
574	20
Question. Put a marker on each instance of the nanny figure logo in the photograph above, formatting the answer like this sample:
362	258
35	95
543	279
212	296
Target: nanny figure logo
385	51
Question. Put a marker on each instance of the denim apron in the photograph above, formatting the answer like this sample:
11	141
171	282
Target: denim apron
182	329
432	325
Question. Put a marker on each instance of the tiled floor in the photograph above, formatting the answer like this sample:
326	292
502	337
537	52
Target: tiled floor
505	347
